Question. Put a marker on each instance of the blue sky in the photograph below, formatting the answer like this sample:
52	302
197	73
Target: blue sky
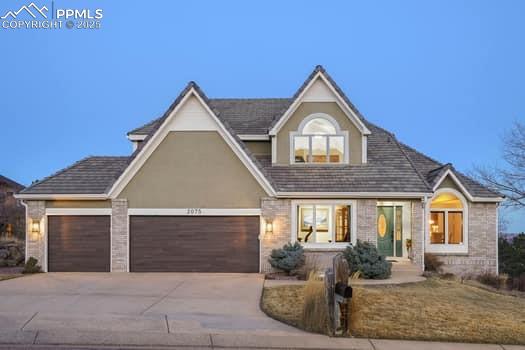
445	76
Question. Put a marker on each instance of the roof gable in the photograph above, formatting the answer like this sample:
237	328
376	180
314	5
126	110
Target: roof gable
320	87
190	111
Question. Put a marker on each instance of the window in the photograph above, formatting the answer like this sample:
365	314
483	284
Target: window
323	223
447	221
319	140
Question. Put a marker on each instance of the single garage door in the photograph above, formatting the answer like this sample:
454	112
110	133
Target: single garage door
194	244
78	243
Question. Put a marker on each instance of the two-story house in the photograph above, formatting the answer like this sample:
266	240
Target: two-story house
215	184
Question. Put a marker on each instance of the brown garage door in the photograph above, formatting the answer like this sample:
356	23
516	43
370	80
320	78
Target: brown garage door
78	243
194	244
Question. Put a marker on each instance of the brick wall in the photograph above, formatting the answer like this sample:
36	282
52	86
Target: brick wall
367	220
280	211
119	235
482	240
417	232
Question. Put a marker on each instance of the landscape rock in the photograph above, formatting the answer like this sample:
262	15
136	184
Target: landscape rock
11	253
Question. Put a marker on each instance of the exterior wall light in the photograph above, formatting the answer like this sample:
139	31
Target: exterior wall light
35	229
269	227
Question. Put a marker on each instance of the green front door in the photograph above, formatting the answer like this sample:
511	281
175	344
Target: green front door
385	230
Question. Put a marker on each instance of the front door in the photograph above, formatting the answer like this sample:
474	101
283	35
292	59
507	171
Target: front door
390	230
385	230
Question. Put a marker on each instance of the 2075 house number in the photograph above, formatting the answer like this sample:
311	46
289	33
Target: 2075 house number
194	211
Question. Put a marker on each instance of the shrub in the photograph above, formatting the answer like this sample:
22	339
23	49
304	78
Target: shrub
365	258
288	258
512	256
490	279
517	283
315	316
31	266
432	263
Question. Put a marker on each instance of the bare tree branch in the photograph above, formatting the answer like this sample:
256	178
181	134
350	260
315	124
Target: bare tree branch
509	179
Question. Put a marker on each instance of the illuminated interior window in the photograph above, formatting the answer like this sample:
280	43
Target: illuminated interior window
319	141
446	219
324	223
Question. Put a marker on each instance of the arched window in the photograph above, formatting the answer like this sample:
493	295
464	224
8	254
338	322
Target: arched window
447	218
319	140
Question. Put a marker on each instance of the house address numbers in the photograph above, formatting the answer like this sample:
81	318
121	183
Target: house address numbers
193	211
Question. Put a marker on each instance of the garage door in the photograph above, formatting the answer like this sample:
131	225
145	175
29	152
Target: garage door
78	243
194	244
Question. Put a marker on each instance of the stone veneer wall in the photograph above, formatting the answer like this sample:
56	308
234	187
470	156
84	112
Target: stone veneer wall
482	240
417	236
279	210
35	245
366	220
119	235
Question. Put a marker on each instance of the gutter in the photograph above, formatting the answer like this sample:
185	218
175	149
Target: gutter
29	196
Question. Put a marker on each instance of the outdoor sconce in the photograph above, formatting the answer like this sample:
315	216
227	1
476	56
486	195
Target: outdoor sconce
269	227
35	228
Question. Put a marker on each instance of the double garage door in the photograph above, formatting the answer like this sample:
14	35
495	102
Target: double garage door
157	243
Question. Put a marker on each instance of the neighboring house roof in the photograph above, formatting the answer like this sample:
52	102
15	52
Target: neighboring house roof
15	185
91	175
391	166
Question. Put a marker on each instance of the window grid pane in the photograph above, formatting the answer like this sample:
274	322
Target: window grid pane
455	227
301	149
336	149
319	149
437	227
342	223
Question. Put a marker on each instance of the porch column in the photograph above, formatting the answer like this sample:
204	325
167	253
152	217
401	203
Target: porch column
119	235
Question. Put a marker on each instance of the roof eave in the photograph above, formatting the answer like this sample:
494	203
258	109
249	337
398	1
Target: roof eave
65	196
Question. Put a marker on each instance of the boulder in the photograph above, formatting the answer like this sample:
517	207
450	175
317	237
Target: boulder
4	253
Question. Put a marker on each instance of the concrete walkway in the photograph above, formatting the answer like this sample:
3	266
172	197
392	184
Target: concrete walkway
247	340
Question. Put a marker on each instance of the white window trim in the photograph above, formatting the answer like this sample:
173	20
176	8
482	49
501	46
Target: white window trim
448	248
333	245
339	132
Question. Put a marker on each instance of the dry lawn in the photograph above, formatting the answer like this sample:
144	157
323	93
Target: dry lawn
8	277
432	310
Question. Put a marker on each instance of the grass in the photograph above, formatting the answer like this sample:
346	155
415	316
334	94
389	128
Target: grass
8	277
436	309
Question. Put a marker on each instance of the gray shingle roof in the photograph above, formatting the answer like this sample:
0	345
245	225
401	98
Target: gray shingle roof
250	116
434	170
391	167
387	170
91	175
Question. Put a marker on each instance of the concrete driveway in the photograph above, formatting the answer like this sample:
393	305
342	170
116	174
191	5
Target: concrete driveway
153	302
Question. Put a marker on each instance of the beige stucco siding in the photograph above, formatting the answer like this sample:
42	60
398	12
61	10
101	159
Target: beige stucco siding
259	147
193	169
304	110
78	204
449	183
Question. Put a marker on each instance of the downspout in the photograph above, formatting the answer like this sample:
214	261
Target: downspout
425	225
497	239
26	228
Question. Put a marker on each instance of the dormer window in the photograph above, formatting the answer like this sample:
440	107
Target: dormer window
319	140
